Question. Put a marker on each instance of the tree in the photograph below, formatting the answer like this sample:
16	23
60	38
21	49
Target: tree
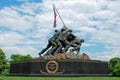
114	65
27	57
3	61
113	62
116	70
19	57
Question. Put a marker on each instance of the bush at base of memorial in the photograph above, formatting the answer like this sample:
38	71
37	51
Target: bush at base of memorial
114	66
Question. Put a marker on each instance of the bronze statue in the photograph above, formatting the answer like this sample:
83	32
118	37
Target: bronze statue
61	41
76	44
65	38
51	43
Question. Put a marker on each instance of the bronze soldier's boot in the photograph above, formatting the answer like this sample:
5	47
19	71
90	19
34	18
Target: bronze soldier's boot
39	54
58	50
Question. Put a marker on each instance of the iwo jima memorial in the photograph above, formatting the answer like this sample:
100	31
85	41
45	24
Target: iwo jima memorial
61	57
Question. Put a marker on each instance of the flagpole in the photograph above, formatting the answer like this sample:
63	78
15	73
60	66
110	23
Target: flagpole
59	15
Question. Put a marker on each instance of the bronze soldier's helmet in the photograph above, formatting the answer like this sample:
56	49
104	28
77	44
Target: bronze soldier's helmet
81	40
64	28
56	30
70	30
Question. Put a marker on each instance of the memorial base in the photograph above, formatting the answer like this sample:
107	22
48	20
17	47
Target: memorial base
54	67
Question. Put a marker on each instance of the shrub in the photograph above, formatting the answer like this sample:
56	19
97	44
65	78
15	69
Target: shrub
116	70
114	66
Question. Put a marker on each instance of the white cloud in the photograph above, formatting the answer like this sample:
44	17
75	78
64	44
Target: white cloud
98	18
106	55
24	50
10	38
13	20
11	50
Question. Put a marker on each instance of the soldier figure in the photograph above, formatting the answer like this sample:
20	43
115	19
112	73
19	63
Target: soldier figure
59	48
51	43
76	43
63	38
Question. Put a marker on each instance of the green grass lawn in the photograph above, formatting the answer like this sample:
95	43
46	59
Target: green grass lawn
58	78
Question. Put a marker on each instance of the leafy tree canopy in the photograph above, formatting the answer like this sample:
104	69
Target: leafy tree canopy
19	58
114	66
3	61
116	70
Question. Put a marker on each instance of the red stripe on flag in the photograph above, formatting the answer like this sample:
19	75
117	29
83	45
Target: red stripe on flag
55	14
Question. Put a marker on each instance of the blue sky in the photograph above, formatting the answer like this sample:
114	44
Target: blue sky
26	25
